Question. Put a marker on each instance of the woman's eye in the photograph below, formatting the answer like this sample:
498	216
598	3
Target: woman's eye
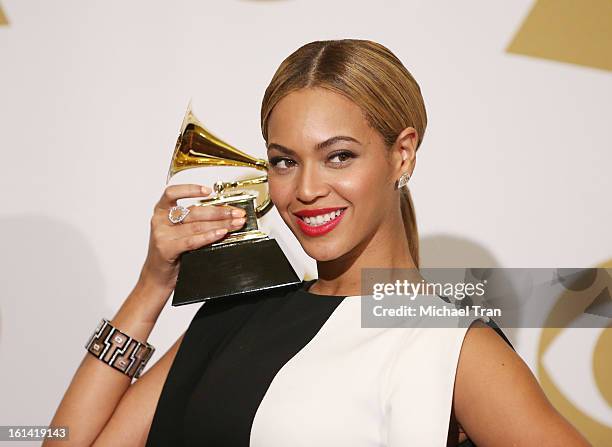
341	156
283	163
280	162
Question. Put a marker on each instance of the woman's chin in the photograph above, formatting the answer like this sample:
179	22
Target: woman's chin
322	253
323	248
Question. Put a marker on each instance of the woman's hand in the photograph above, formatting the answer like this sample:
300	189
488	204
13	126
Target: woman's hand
202	226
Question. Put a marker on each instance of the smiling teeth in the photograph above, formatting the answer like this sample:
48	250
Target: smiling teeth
315	221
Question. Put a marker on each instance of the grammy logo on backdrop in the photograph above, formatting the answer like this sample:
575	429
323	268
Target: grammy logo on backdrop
245	260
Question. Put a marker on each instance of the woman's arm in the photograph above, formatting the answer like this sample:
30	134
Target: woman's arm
131	422
499	402
97	388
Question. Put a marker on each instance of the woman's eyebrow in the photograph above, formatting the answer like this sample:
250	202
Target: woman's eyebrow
334	140
321	145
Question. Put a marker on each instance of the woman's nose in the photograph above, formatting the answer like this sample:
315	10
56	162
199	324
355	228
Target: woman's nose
310	184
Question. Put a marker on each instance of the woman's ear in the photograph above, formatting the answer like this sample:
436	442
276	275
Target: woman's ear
406	145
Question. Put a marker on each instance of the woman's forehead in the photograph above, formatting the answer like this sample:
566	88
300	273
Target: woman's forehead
314	115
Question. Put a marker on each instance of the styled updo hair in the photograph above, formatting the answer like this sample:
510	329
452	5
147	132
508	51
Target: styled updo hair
372	77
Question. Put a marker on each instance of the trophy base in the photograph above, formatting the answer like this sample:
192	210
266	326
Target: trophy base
235	269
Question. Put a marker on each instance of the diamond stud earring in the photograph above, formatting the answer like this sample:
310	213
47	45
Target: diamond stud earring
403	180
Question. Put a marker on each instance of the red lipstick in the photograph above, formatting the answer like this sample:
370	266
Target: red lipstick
318	230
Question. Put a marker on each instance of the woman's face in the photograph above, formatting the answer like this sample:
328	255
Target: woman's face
326	161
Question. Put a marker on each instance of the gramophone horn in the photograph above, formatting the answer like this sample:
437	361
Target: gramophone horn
197	147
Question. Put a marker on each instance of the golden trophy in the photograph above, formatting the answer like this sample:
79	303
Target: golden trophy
245	260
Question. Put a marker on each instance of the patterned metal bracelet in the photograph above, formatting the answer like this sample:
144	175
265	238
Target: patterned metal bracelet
119	350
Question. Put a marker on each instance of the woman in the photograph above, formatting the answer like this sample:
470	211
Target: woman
342	121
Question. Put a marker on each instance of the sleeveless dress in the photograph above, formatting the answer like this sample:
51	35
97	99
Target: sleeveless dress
292	368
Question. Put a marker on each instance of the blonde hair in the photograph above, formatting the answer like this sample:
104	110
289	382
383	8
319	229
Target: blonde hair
372	77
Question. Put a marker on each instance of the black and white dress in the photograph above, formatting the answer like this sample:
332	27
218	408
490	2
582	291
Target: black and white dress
294	368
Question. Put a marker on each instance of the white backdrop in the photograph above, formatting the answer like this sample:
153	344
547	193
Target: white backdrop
514	170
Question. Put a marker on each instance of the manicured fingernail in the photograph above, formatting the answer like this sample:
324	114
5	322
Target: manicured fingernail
206	190
238	222
221	231
238	213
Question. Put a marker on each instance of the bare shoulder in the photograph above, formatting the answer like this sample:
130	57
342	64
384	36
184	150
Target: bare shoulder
499	402
131	421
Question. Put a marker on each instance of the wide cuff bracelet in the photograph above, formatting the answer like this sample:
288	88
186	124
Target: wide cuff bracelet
119	350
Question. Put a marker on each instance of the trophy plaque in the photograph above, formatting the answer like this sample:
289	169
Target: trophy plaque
245	260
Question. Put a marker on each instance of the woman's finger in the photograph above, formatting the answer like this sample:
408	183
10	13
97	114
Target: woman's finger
198	240
174	192
212	213
191	228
